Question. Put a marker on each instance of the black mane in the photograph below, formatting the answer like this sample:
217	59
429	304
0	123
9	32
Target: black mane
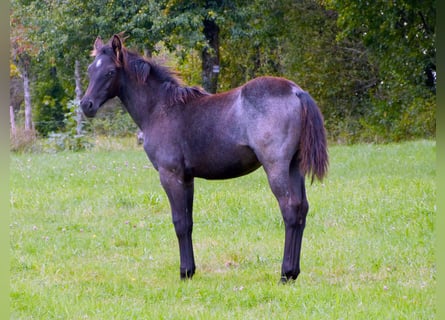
143	69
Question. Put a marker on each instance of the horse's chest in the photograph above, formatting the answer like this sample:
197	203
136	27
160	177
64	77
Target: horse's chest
163	149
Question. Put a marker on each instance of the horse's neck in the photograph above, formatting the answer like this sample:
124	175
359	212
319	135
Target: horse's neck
139	101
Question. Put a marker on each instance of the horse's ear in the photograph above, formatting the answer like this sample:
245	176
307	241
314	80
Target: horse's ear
116	44
98	44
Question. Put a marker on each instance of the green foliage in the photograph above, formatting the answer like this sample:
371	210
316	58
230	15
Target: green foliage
189	66
50	104
91	237
399	34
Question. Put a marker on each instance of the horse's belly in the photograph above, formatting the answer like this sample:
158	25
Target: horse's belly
226	172
225	164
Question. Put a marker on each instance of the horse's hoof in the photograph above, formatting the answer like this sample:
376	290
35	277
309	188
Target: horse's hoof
283	280
288	279
186	274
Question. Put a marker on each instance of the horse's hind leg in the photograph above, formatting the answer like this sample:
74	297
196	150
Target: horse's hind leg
287	184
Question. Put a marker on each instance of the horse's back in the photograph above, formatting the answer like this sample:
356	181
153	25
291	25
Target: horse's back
268	86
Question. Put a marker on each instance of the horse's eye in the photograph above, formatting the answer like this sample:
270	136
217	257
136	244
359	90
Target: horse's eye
111	73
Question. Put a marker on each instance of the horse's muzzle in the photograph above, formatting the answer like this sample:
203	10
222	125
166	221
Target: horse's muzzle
87	107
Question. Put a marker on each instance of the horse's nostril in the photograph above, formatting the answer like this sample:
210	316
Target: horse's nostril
86	105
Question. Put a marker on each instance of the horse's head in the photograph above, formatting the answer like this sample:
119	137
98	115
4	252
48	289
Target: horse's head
103	74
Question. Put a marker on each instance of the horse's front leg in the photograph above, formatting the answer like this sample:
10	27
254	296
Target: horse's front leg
180	194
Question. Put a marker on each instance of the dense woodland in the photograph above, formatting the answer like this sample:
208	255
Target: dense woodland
370	65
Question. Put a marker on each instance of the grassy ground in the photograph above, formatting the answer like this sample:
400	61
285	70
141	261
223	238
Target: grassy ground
91	238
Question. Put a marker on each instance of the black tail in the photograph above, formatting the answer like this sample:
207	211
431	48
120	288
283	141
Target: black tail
313	152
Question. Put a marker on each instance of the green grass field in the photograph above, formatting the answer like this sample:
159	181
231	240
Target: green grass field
91	238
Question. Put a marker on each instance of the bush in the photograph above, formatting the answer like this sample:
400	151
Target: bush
69	140
398	115
65	141
23	141
112	121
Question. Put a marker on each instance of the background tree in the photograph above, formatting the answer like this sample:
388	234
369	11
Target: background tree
399	40
22	53
198	25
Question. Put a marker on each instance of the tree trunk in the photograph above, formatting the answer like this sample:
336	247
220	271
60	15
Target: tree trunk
79	94
210	56
12	120
27	95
